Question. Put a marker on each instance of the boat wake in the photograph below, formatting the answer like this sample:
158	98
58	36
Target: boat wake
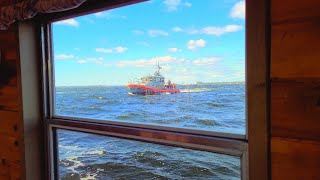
196	90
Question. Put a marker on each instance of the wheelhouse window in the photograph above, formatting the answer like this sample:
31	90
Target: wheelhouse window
155	90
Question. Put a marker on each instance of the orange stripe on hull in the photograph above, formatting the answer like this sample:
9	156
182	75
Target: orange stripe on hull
154	89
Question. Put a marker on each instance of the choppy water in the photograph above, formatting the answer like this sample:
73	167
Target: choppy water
218	107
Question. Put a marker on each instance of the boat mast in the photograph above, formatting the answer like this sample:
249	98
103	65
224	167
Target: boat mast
158	68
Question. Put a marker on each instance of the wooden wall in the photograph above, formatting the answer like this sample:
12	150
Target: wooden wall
295	89
11	131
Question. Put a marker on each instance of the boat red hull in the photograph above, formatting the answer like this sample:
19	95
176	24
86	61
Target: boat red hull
147	90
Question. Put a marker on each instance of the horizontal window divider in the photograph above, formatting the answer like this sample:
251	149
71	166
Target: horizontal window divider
240	137
198	142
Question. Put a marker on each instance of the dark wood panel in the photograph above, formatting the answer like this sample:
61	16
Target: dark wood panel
295	50
286	10
257	64
8	69
295	109
10	123
9	95
292	159
11	149
9	170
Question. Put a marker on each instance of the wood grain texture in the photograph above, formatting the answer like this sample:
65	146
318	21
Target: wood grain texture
294	10
295	50
10	124
9	96
9	170
295	110
11	127
257	87
293	159
11	149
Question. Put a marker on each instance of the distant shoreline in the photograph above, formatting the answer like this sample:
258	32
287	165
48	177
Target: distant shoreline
198	83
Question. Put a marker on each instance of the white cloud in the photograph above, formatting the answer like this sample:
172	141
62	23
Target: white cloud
99	14
155	33
177	29
104	50
206	61
238	11
218	31
188	4
195	44
118	49
69	22
94	60
81	61
172	5
150	62
210	30
64	56
173	50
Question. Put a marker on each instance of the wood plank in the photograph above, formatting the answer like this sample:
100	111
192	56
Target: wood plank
285	10
15	171
9	95
10	54
292	159
10	170
10	124
8	38
295	50
11	149
256	91
295	109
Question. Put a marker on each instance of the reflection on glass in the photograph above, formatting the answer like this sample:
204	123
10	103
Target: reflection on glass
167	65
90	156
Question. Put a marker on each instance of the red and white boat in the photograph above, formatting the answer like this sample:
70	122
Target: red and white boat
152	85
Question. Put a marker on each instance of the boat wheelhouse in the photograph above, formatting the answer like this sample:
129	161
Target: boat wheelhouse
152	85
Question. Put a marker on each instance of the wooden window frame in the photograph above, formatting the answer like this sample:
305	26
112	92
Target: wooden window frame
252	148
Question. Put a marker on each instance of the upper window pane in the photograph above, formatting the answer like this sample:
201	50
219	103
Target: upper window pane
169	63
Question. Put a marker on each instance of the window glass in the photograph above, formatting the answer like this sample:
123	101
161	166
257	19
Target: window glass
166	63
90	156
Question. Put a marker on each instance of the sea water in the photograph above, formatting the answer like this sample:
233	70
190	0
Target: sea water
218	107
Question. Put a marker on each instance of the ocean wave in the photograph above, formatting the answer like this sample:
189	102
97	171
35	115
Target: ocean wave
111	170
95	152
196	90
70	147
89	177
207	122
79	176
72	163
152	158
214	104
128	115
194	171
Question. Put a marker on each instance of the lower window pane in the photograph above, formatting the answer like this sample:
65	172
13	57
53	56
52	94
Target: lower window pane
91	156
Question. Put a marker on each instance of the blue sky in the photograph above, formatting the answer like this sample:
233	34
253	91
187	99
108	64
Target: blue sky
193	40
